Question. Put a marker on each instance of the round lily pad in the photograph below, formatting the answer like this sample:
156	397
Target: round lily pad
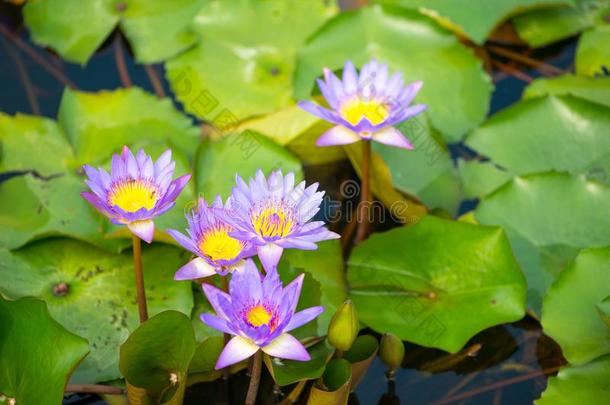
92	293
593	54
413	44
436	283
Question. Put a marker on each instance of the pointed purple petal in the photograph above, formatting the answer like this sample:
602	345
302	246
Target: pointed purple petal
337	135
393	137
196	268
287	346
270	255
236	350
216	323
144	230
302	317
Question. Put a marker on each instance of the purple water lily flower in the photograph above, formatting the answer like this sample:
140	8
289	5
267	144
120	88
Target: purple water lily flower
259	312
365	106
136	190
208	238
273	215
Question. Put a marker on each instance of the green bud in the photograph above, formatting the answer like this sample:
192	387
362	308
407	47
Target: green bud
391	351
344	327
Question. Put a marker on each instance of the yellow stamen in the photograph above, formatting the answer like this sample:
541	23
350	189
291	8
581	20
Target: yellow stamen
218	245
258	316
356	109
273	221
132	195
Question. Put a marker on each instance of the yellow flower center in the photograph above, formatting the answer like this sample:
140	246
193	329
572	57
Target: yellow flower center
132	195
275	220
218	245
258	316
355	109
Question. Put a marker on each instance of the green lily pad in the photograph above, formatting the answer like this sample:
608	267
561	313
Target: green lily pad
156	356
592	54
98	124
325	267
361	355
548	218
407	281
92	293
286	372
544	26
32	143
218	161
603	309
587	384
475	18
235	74
37	355
569	310
413	44
552	133
596	90
480	178
334	386
206	354
156	29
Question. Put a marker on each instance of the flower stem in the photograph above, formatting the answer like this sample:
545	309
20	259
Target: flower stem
365	192
140	291
224	286
255	378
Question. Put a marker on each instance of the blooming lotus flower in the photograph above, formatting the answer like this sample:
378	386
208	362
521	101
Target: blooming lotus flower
259	313
365	106
136	190
209	239
273	215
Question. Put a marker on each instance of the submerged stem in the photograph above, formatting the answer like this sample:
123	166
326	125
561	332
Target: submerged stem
365	192
140	291
255	378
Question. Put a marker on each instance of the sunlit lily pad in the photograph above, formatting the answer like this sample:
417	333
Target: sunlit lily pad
37	355
218	161
92	293
474	18
156	29
569	310
233	74
561	133
407	281
544	26
548	218
587	384
596	89
411	43
592	54
481	178
98	124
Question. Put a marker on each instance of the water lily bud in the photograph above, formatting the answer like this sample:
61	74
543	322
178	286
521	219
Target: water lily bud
344	327
391	351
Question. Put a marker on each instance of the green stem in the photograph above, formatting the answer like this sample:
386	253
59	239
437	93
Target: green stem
140	291
255	378
365	192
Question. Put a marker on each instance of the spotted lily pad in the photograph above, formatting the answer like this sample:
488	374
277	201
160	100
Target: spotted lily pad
156	29
92	293
413	44
37	355
407	281
233	74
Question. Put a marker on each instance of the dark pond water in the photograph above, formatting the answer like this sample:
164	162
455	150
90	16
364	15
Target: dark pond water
505	364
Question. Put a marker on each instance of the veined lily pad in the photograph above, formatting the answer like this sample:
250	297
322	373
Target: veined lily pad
233	74
37	355
548	218
474	18
92	293
586	384
596	89
410	43
407	281
156	29
592	56
569	310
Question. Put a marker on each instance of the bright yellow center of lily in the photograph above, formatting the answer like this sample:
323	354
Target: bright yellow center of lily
218	245
355	109
258	315
132	195
274	221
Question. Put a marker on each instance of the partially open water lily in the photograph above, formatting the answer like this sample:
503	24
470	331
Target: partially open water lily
365	106
208	237
259	312
136	190
273	214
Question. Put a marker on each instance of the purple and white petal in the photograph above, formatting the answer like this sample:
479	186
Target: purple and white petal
236	350
338	135
288	347
196	268
269	255
144	230
393	137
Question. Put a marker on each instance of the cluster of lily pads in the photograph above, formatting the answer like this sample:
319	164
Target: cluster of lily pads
537	240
